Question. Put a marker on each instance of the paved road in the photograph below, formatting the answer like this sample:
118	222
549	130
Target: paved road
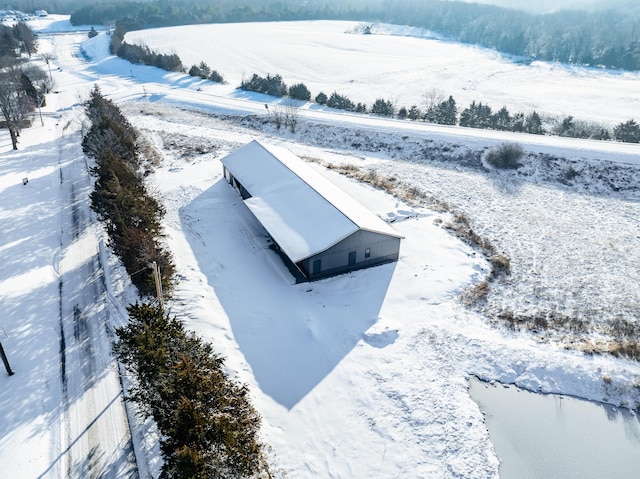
95	438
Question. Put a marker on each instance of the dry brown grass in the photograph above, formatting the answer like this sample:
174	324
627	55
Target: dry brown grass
459	224
617	340
148	151
623	336
475	293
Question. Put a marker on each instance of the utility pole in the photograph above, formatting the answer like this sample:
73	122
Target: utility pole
158	280
5	361
40	102
47	58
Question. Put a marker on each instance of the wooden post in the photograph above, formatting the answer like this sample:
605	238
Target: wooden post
158	280
5	361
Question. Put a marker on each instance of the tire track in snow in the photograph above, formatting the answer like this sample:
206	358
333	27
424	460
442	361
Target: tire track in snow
95	442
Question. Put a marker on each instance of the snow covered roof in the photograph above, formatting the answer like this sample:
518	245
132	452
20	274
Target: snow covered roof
302	210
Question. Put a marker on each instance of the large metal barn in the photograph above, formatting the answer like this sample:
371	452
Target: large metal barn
321	229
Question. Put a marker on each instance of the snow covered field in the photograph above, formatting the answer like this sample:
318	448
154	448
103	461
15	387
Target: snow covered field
361	375
398	64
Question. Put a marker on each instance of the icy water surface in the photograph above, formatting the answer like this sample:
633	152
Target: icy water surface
538	436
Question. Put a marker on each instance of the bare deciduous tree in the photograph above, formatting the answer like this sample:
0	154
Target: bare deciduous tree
15	104
433	97
291	116
278	115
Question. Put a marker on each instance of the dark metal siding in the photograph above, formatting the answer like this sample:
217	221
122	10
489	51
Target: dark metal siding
335	260
233	181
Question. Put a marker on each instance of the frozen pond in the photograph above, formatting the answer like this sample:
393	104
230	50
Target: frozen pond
539	436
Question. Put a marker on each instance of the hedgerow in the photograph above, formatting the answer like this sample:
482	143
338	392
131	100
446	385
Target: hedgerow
208	427
131	215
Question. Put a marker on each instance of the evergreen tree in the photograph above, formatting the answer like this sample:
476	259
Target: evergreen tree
25	38
517	121
8	43
444	113
414	112
628	131
216	77
205	71
299	91
340	102
382	107
321	98
502	120
195	71
533	124
448	114
476	115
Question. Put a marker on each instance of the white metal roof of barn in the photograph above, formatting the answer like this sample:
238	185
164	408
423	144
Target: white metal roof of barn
301	209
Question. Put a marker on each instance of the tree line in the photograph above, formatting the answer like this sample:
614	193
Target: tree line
607	38
120	198
446	112
141	54
23	86
208	427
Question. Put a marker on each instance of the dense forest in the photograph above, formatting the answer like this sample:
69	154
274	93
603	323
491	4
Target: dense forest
605	38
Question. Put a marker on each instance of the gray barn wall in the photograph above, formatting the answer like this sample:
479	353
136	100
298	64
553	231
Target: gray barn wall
335	260
233	181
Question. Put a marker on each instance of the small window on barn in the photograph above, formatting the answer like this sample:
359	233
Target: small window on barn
367	253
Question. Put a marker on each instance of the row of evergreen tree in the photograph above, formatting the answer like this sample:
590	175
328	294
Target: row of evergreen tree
446	112
204	71
208	427
141	54
608	38
120	198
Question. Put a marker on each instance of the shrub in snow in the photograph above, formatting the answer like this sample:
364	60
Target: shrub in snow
216	77
628	132
299	92
321	98
505	156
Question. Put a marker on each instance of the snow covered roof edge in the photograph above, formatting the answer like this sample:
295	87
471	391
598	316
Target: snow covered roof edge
280	182
361	216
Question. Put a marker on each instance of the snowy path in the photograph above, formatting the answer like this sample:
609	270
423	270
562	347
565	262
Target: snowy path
62	414
95	438
96	431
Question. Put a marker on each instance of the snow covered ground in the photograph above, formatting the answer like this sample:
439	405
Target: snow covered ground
361	375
